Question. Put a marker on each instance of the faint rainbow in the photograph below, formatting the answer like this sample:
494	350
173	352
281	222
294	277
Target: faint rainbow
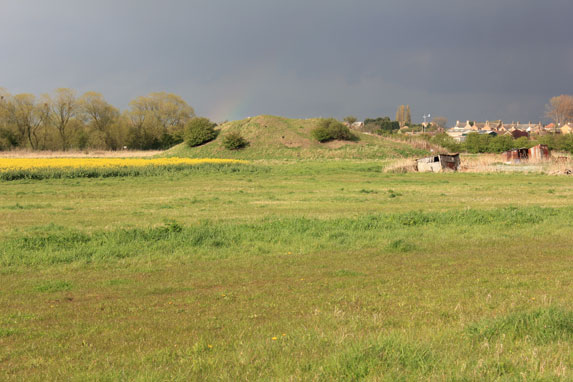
239	91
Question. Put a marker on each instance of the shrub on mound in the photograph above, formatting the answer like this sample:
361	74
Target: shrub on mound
199	131
234	141
330	129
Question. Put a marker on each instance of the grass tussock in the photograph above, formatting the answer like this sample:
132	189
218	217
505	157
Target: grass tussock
391	358
541	326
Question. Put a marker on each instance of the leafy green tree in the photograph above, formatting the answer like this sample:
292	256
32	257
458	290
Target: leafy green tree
477	143
383	123
234	141
321	134
198	131
501	143
447	142
329	129
523	142
563	142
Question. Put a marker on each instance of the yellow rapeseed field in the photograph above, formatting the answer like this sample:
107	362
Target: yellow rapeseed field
7	164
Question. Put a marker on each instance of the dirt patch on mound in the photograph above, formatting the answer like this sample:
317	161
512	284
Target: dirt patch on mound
338	144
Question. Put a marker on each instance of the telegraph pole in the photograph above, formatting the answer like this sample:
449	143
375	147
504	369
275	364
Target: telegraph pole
424	124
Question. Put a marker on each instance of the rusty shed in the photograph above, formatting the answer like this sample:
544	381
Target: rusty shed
438	163
539	152
516	155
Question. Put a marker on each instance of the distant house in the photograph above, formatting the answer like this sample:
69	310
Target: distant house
509	126
532	128
550	128
487	126
354	125
516	133
567	129
502	129
459	131
493	125
458	136
467	125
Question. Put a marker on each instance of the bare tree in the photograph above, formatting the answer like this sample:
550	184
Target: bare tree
350	119
407	117
3	94
28	116
158	119
560	109
440	122
101	115
63	108
3	106
403	115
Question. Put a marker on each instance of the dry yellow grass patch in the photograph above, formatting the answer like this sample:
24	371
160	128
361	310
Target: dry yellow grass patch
559	164
402	166
481	163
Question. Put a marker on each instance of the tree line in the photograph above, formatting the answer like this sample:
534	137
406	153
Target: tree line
63	120
484	143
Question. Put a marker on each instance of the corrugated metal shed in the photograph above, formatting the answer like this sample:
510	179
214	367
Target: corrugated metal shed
539	152
438	163
516	155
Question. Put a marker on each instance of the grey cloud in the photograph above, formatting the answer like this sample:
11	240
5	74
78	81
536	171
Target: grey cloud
462	59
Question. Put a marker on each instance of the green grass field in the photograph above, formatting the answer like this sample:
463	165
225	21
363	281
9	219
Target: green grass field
286	271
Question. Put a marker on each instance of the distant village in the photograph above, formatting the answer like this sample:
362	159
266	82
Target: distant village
517	130
461	130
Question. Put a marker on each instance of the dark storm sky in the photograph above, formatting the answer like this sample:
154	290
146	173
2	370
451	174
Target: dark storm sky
478	60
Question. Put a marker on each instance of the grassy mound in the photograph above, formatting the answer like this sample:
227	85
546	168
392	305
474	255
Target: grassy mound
272	137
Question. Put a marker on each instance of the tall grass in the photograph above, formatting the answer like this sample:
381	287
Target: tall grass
108	172
226	239
541	326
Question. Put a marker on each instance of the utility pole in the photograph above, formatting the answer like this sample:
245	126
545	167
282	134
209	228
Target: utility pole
424	124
